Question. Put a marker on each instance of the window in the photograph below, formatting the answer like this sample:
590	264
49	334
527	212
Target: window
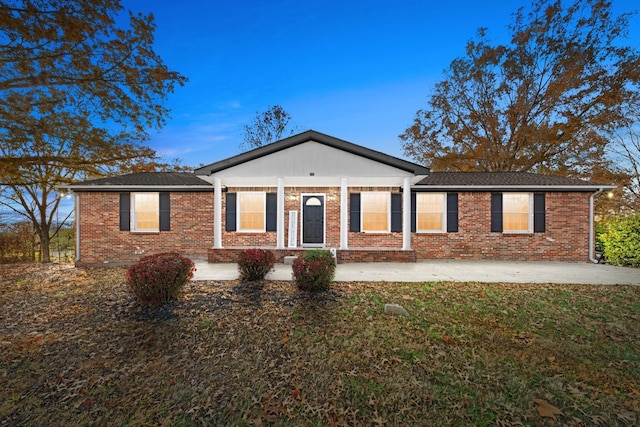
430	212
251	211
516	212
145	211
375	211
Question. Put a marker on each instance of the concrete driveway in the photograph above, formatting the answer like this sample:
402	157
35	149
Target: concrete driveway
450	270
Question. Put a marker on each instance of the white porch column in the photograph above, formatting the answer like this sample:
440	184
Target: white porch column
280	215
217	214
406	214
344	214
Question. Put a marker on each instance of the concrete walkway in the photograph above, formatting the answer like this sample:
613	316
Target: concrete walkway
457	271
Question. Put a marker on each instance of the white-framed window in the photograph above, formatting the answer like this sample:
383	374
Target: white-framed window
145	212
375	211
431	211
517	212
251	211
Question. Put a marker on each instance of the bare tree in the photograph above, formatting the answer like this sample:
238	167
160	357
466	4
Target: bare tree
267	127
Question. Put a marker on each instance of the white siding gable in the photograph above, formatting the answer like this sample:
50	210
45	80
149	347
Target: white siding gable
309	158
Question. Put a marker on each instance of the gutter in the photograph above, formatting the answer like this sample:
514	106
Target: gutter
592	231
115	188
463	188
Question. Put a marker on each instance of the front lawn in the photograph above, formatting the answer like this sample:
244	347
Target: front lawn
76	349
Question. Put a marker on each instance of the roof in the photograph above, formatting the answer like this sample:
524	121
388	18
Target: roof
320	138
145	180
505	180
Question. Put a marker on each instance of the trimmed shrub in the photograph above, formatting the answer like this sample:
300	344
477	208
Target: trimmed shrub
622	241
156	279
254	264
314	270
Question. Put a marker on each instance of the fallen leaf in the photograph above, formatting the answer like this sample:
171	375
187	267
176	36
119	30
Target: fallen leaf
547	410
448	340
285	338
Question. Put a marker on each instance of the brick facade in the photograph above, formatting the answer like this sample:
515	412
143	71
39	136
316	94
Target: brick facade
566	236
101	240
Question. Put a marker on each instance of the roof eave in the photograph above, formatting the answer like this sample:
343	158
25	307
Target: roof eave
573	188
111	188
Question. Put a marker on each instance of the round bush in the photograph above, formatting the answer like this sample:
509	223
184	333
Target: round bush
156	279
314	270
622	241
255	264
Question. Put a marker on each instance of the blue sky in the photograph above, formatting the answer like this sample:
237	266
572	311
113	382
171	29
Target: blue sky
358	70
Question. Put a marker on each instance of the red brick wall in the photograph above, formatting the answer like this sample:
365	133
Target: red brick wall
566	237
374	240
102	241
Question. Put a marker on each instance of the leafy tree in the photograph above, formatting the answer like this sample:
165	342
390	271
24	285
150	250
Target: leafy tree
267	127
548	101
78	90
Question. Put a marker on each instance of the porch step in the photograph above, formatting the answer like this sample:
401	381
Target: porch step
288	260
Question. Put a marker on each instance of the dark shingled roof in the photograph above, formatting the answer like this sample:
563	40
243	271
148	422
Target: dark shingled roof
501	179
151	179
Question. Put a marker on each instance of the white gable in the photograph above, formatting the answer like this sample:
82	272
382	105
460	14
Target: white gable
312	159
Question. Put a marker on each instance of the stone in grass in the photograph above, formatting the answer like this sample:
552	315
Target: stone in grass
395	309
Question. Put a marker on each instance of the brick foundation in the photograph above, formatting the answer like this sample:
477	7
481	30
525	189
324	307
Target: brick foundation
343	256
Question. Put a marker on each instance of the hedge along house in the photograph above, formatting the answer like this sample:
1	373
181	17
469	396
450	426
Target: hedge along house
312	190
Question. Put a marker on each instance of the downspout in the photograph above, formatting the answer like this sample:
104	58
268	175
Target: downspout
592	248
76	200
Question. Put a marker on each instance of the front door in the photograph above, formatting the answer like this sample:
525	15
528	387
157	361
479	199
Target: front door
313	220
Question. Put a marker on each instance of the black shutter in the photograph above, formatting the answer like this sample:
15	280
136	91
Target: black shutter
538	213
125	211
496	212
272	212
413	212
396	212
165	212
354	212
452	212
230	210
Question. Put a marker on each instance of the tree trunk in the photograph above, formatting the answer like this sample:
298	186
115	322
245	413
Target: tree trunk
44	244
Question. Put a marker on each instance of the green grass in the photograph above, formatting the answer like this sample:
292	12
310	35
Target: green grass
78	351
